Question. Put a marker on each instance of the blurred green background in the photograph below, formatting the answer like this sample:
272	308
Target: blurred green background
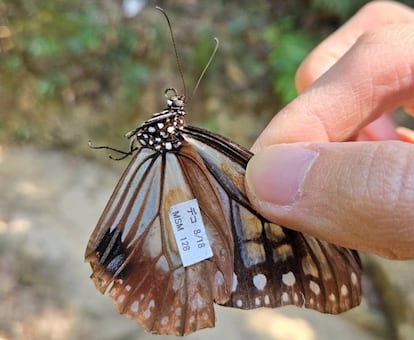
76	70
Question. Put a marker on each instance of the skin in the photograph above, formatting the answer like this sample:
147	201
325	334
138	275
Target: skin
332	163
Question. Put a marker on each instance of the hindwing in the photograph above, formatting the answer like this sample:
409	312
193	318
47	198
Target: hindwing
255	263
273	265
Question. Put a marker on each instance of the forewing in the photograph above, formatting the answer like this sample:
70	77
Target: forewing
275	266
133	253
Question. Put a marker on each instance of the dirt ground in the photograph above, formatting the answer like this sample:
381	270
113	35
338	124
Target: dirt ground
50	202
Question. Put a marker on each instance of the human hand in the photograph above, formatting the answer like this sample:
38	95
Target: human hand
355	194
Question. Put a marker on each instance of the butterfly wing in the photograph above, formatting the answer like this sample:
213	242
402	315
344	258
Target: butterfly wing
134	256
275	266
133	253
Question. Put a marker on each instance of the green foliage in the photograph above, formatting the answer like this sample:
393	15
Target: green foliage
81	67
59	44
202	49
339	8
287	50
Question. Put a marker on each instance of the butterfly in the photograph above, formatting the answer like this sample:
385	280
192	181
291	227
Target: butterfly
180	174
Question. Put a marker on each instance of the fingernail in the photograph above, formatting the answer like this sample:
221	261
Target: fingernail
276	174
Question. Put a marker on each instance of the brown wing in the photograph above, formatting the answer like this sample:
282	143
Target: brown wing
275	266
255	263
133	253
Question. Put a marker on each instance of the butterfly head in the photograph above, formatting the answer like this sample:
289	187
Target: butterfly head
176	102
162	132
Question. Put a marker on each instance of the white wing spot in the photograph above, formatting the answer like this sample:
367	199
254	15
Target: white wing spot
219	279
178	311
289	279
285	297
354	279
128	288
178	279
332	297
235	282
152	245
311	301
165	320
259	281
267	300
198	302
239	303
121	298
147	312
257	301
314	287
134	307
162	264
344	290
141	297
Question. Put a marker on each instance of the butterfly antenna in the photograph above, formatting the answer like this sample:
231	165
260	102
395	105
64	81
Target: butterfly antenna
205	67
177	59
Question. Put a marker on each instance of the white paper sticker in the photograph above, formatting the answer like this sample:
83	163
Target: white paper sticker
189	232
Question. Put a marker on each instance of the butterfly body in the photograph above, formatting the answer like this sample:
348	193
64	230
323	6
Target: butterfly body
135	256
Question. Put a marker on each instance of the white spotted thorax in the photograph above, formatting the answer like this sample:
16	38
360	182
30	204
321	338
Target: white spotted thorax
162	132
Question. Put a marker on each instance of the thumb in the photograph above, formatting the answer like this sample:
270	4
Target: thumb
357	194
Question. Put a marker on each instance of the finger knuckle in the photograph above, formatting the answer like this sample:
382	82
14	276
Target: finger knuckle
390	174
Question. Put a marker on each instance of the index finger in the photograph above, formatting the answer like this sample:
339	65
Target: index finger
370	17
372	78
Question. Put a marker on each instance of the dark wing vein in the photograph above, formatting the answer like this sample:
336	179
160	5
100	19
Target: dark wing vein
275	266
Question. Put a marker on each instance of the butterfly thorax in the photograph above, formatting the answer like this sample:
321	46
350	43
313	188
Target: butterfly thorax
162	132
